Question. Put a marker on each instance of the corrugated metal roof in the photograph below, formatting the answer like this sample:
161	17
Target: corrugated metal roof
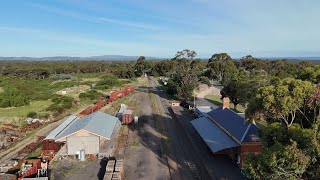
203	110
252	134
98	123
61	127
215	138
233	123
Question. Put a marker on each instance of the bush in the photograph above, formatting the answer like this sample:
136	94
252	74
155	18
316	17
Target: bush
57	77
107	82
32	114
60	104
205	80
12	97
92	95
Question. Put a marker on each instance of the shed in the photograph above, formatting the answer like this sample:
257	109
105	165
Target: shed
87	133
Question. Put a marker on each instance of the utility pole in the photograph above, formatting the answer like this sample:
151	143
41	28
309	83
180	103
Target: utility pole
194	100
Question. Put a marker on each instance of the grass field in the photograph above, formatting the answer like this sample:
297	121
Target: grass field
216	100
36	106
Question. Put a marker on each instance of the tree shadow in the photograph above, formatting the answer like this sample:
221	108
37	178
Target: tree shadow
102	171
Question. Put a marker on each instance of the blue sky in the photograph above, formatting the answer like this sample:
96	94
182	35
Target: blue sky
159	27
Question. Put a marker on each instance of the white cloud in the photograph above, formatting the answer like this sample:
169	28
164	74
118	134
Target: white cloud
94	19
84	40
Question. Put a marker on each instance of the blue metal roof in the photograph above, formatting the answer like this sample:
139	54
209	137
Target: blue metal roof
97	123
252	134
233	123
61	127
215	138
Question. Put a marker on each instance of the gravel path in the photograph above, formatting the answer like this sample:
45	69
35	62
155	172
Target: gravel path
143	157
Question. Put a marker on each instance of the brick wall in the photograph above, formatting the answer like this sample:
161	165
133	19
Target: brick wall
232	153
246	148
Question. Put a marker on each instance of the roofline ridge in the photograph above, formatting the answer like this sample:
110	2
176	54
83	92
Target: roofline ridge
71	122
225	130
245	133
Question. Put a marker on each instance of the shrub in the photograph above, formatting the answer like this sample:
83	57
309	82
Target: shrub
32	114
205	80
92	95
60	104
12	97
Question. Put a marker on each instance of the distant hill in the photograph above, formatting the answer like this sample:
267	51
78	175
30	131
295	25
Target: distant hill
71	58
131	58
292	58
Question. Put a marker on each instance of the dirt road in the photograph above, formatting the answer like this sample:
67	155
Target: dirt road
144	157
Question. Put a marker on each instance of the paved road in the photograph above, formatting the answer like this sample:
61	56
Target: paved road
204	102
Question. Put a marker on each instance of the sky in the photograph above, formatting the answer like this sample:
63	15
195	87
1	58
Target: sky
160	28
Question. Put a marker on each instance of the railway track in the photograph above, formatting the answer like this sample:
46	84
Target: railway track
191	167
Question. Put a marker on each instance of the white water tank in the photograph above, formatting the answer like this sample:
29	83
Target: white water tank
82	156
136	120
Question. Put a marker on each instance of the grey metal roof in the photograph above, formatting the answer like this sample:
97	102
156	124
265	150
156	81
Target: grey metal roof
215	138
203	110
97	123
61	127
233	123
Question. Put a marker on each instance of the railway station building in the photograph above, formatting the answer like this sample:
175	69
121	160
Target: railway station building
227	133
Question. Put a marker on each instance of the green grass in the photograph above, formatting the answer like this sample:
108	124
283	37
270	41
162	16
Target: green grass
216	100
36	106
36	153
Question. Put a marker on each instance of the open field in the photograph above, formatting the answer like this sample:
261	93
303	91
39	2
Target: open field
21	112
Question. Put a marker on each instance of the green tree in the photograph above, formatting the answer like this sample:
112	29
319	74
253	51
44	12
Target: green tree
221	67
314	103
141	66
307	141
184	77
250	63
186	54
310	74
205	80
283	100
277	162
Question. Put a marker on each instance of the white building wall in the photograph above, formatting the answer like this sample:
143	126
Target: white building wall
90	143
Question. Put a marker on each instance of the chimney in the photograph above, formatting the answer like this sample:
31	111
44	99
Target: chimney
226	102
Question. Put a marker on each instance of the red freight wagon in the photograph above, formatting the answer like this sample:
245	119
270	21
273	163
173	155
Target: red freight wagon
51	145
89	110
127	117
113	96
129	89
33	164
